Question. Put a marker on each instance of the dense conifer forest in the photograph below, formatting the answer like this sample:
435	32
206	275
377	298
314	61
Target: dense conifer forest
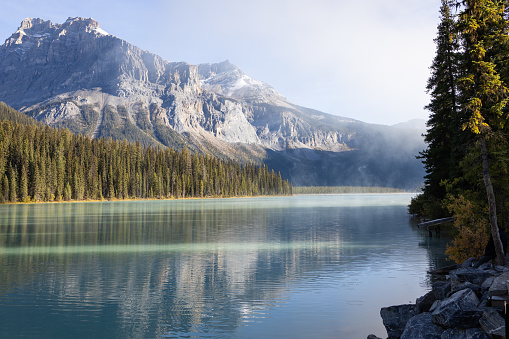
39	163
466	161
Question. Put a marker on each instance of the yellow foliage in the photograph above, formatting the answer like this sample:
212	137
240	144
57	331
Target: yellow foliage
469	243
472	230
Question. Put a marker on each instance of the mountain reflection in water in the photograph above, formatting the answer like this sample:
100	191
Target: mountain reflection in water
295	266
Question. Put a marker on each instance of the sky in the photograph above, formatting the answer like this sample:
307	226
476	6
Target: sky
367	60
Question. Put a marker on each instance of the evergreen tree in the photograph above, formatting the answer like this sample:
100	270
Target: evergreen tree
67	191
468	112
60	170
484	28
13	194
37	183
444	151
42	164
23	185
4	193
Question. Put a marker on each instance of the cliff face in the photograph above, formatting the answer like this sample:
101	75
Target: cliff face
78	76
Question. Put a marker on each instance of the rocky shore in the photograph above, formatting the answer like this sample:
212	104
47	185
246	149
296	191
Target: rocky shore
468	303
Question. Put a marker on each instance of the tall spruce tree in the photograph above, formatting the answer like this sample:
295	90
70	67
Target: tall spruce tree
468	111
484	29
443	153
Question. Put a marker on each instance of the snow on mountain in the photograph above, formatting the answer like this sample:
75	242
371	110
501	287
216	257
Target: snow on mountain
228	80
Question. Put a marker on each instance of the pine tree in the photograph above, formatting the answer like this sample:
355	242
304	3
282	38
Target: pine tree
5	189
484	28
39	163
79	185
37	183
23	185
442	156
67	191
60	174
13	194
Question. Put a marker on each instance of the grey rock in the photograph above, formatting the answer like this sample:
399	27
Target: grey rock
484	299
499	285
487	284
499	268
469	262
469	274
441	289
493	323
425	302
422	327
395	318
435	305
464	285
470	333
460	310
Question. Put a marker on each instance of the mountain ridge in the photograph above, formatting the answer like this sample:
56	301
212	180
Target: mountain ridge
78	76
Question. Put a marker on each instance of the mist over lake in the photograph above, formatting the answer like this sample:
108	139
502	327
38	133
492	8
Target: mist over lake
304	266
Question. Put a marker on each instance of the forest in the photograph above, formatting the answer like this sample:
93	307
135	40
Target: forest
466	159
41	164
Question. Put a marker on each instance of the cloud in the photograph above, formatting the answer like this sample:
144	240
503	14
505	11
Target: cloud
368	60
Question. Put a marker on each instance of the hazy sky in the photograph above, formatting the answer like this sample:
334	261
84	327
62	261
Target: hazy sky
368	60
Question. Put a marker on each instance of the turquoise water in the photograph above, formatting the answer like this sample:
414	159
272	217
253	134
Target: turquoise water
290	267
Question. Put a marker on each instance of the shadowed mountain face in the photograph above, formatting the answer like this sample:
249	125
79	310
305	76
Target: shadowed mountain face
76	75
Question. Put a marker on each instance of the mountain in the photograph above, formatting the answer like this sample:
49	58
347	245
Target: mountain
76	75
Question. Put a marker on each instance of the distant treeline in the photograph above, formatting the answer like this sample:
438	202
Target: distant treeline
342	189
39	163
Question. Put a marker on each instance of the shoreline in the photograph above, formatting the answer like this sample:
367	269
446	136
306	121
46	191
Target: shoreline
136	199
467	303
195	198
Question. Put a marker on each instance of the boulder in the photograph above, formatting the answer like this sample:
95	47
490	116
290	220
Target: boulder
469	262
460	310
484	301
425	302
493	323
470	333
461	286
487	284
470	274
487	266
434	306
422	327
441	289
372	336
499	268
499	285
395	318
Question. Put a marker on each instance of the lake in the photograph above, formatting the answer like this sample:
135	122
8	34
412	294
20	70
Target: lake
306	266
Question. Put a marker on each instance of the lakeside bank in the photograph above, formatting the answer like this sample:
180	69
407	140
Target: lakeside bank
467	303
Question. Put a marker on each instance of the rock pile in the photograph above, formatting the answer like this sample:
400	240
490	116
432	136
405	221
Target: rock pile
468	304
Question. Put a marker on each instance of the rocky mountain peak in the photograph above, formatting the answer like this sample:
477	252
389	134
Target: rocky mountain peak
29	27
207	71
36	25
32	30
78	24
229	80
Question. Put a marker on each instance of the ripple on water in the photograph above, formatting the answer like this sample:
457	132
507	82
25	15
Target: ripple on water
293	267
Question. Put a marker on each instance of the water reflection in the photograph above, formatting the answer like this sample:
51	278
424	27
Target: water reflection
204	267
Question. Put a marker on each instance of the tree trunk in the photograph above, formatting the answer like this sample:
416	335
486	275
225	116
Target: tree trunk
491	203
